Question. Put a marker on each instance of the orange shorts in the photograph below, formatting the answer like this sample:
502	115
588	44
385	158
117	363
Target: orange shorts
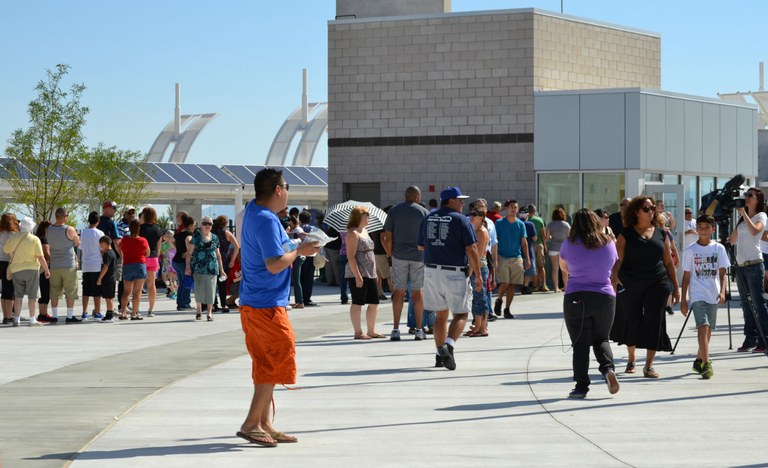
271	344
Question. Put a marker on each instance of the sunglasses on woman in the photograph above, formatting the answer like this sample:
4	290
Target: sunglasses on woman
646	209
207	224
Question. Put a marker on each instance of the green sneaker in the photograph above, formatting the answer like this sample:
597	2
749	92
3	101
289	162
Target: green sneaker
698	366
707	373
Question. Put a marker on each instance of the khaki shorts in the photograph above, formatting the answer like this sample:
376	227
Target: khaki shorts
64	280
541	262
447	290
405	271
382	267
510	271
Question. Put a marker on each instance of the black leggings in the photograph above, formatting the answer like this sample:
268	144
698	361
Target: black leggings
45	290
588	317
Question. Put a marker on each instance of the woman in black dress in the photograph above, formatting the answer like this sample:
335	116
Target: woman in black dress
645	271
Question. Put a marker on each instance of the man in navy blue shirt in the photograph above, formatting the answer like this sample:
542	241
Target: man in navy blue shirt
449	241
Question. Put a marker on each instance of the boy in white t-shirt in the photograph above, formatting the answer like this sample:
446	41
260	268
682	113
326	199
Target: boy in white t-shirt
704	265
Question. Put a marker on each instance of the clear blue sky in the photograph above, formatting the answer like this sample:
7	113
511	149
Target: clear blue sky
243	59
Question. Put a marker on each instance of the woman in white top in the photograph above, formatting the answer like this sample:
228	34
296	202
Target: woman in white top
750	270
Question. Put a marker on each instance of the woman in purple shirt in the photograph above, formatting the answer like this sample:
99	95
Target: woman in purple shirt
588	257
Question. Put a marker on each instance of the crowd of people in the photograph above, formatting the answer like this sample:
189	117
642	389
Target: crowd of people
121	262
618	273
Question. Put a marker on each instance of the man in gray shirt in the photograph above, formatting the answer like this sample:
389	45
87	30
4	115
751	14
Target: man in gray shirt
63	240
400	236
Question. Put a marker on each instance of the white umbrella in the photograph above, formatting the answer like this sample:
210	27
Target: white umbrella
338	215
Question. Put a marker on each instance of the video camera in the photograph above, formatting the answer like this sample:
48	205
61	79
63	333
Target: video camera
720	203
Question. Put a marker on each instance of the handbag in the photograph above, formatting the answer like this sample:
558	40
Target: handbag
8	274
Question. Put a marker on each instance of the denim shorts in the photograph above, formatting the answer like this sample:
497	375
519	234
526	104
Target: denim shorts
134	271
704	313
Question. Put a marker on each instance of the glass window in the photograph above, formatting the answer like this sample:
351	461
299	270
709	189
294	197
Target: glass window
721	182
558	189
691	193
604	190
671	179
706	185
653	177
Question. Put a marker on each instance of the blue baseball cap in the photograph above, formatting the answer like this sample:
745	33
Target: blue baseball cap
451	193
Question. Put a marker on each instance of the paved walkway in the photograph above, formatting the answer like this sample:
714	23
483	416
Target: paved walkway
171	391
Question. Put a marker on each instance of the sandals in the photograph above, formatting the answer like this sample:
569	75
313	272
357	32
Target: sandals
209	318
630	368
362	336
198	316
137	317
650	373
258	437
376	335
283	438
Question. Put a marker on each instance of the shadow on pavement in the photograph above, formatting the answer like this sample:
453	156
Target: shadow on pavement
148	452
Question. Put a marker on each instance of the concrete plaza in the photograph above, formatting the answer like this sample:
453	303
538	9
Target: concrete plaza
172	392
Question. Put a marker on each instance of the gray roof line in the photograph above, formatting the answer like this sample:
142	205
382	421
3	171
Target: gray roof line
538	11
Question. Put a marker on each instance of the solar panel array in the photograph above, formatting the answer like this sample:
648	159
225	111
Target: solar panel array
293	175
174	173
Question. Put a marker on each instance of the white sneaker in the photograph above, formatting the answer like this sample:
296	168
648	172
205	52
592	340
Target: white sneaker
420	335
16	322
34	323
395	335
288	307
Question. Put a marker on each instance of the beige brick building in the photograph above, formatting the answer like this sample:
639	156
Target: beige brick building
447	98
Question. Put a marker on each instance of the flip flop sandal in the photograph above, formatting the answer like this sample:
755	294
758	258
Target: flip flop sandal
630	368
376	335
283	438
362	337
258	438
650	373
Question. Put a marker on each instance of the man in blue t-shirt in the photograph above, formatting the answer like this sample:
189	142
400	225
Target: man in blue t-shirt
513	248
266	257
449	241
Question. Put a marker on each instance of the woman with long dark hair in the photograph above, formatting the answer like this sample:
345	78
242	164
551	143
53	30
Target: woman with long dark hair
135	251
558	230
645	270
750	270
150	231
588	257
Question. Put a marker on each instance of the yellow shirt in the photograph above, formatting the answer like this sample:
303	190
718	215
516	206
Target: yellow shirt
25	256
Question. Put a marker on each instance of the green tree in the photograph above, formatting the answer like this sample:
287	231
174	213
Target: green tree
114	174
48	155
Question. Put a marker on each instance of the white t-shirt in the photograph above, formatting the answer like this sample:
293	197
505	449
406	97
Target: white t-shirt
704	263
491	234
89	245
764	247
688	239
748	246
